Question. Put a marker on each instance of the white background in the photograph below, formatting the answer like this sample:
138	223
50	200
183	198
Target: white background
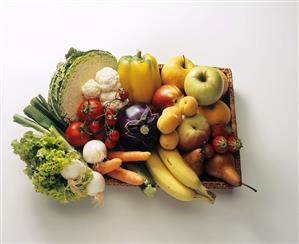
257	40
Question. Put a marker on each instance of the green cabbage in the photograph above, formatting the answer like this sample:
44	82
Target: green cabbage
45	156
65	93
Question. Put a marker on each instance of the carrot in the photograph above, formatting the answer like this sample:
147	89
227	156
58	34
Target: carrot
108	166
127	176
131	156
195	160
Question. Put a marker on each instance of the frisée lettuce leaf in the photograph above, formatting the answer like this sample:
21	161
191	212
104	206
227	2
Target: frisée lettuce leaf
45	156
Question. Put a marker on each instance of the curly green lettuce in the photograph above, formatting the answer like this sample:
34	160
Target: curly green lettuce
45	156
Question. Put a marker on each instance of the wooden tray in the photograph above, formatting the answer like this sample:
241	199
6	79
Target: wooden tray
210	182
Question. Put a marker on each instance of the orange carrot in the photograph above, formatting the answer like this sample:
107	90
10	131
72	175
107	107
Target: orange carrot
127	176
130	156
108	166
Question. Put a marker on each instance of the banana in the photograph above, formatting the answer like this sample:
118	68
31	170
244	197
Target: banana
182	171
167	181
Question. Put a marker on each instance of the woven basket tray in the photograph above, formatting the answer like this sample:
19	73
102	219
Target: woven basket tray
209	182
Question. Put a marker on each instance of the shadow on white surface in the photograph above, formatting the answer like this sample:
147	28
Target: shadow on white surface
82	216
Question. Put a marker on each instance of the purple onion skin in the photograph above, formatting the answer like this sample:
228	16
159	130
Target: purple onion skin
138	133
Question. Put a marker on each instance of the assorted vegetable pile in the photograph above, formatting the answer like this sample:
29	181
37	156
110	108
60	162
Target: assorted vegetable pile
52	164
127	121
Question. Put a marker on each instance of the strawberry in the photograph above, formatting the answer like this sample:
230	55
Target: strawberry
234	144
219	130
220	144
229	131
208	150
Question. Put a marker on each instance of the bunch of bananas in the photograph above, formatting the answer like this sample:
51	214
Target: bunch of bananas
175	177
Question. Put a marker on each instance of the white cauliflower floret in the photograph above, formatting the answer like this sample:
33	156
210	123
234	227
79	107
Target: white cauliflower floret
91	89
107	96
109	83
107	79
116	87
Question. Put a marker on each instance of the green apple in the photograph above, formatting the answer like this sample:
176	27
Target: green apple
205	84
193	132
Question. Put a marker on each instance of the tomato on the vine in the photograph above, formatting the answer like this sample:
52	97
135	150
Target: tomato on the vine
95	126
111	111
110	117
110	120
123	94
90	109
100	136
110	144
114	135
76	134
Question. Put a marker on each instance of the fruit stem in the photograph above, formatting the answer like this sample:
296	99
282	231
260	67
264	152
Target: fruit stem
250	187
144	130
138	55
184	62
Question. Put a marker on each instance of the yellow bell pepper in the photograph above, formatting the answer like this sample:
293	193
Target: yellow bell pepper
140	76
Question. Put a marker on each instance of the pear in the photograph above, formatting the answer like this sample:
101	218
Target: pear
195	160
222	166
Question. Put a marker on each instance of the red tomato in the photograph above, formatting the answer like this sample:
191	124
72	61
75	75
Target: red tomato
100	136
123	94
95	127
114	135
110	121
90	109
110	144
75	134
111	111
110	116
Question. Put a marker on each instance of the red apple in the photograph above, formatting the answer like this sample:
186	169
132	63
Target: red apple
193	132
166	96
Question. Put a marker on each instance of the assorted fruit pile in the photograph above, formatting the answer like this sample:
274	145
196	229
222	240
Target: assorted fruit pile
131	122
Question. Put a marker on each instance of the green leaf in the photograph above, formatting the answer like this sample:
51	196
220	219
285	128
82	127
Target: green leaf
45	156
